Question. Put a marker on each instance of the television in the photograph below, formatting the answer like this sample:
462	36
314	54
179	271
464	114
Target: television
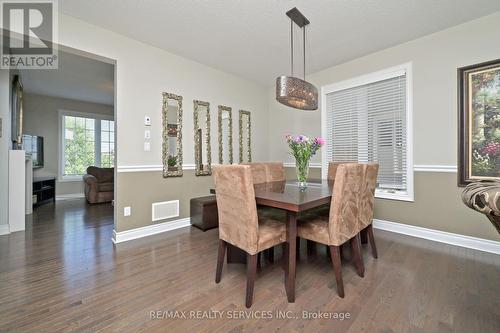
33	145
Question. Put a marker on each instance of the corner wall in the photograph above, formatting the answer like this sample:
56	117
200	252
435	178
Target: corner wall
435	59
4	149
143	72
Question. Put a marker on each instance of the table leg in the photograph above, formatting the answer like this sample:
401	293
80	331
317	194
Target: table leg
291	234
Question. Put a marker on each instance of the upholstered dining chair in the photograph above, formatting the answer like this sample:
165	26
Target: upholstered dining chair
275	172
258	171
239	223
342	224
367	202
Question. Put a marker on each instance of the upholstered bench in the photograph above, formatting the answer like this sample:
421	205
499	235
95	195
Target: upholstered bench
204	212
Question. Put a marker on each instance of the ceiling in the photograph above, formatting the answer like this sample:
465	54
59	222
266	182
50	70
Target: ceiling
250	38
77	77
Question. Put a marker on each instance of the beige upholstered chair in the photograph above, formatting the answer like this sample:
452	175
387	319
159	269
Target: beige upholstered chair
239	223
258	171
367	202
275	172
342	224
267	172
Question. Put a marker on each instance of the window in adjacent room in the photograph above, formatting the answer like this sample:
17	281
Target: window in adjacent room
368	119
86	140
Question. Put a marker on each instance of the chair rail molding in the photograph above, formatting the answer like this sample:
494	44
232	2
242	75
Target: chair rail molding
434	168
150	167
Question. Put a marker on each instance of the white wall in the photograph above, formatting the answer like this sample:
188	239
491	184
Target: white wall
4	145
41	117
435	59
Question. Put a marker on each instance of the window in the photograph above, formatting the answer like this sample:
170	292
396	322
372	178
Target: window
86	140
368	119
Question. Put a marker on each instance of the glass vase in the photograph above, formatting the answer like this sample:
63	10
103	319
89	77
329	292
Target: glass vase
302	169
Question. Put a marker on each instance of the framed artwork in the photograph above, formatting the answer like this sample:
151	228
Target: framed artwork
479	122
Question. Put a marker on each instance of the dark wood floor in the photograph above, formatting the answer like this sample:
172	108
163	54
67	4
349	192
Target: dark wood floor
64	274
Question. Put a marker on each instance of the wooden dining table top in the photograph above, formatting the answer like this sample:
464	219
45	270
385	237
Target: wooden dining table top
286	194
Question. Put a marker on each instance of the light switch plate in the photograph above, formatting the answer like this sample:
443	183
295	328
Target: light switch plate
127	211
147	120
147	146
147	134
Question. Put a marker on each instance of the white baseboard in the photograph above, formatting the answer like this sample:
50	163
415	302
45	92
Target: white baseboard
4	229
149	230
439	236
70	196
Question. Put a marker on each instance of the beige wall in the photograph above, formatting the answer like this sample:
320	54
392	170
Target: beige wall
41	117
143	72
435	60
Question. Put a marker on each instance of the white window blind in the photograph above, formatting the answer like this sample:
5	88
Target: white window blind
367	122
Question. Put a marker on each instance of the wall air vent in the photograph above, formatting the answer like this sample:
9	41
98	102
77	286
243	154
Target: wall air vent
165	210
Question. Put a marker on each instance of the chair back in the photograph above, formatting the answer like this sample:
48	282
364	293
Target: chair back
275	172
258	171
344	209
238	221
367	200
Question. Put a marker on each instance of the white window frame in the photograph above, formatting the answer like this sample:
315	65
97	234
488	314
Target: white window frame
97	139
366	79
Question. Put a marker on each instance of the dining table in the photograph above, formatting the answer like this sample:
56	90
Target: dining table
287	196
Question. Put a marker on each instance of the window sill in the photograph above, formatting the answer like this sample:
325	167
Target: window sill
395	196
64	179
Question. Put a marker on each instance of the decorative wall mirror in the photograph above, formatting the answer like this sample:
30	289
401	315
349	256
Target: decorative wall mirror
17	113
245	137
202	151
172	135
225	121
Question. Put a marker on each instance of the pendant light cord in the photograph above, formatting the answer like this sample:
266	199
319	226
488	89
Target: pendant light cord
304	39
291	44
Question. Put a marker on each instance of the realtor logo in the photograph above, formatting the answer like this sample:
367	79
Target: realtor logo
29	31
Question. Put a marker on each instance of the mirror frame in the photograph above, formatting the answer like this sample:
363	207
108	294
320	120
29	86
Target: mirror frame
166	172
198	171
223	108
249	139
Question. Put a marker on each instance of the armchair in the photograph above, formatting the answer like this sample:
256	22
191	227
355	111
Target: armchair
99	184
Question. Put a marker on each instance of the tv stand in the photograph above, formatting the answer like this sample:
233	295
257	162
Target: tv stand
44	188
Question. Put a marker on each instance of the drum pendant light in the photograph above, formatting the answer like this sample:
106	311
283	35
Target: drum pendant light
292	91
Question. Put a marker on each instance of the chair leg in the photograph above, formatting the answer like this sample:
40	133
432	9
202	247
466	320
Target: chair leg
337	268
364	236
251	272
220	259
297	248
357	255
270	255
372	241
311	247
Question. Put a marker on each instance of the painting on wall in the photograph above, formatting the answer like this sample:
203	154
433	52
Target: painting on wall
479	122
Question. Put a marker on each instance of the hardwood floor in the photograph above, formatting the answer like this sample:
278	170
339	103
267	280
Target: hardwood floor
64	274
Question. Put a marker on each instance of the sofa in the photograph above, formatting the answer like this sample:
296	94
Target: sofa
99	184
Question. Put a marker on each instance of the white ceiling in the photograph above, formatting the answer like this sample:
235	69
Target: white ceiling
77	78
250	38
